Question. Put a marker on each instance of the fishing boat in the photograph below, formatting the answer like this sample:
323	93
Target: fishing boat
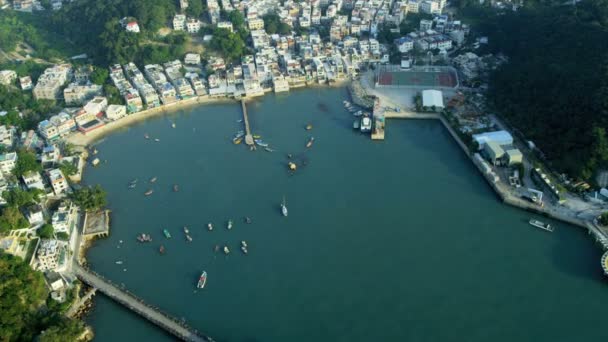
217	248
248	220
261	143
175	188
308	127
210	226
153	180
268	149
95	162
95	151
149	192
167	234
541	225
257	136
237	141
310	141
144	238
358	113
173	124
239	134
226	250
292	166
157	140
186	231
356	124
230	223
161	249
244	249
189	238
244	243
119	262
146	136
284	207
202	280
132	186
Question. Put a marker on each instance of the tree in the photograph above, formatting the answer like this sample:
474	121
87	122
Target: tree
63	331
230	45
23	291
12	218
113	94
195	8
19	198
603	219
26	162
68	169
46	231
99	76
90	198
273	24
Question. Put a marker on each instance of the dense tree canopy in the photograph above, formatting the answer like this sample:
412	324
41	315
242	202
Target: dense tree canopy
90	198
195	8
12	218
554	88
230	45
273	24
26	162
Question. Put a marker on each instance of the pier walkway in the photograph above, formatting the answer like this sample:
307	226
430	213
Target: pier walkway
73	310
137	305
248	136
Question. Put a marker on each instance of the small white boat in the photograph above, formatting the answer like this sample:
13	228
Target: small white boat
186	231
202	280
284	207
210	226
189	238
229	225
244	243
226	250
173	124
157	140
95	162
541	225
366	124
119	262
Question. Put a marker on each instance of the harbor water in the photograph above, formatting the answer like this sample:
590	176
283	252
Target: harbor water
400	240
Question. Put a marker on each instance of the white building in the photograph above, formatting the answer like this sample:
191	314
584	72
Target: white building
6	135
58	182
255	24
192	59
7	77
426	25
48	255
132	26
430	6
499	137
432	98
193	25
50	82
34	214
225	25
179	22
115	112
404	44
7	162
33	180
25	83
75	93
97	105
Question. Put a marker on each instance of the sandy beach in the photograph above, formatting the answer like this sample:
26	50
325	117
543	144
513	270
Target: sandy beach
81	139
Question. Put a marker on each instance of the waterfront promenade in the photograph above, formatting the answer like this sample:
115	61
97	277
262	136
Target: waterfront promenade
137	305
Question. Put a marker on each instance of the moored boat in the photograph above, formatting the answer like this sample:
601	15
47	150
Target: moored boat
244	249
541	225
210	226
186	231
167	234
292	166
157	140
173	125
202	280
308	127
161	249
356	124
146	136
310	141
175	188
261	143
284	207
366	124
257	136
153	180
237	141
226	250
229	225
149	192
268	149
189	238
248	220
132	186
95	162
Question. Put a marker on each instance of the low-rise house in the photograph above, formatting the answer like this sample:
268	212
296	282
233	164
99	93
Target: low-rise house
34	214
86	121
33	180
132	26
58	182
75	93
7	134
48	255
7	77
225	25
50	82
255	24
179	22
64	123
30	140
61	219
193	25
25	83
432	99
50	156
47	130
197	83
115	112
404	44
192	59
96	106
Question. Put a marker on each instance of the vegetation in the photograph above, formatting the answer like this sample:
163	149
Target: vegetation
14	100
554	87
26	162
46	231
23	313
63	236
90	198
273	24
99	76
603	219
18	198
230	45
12	218
68	169
195	8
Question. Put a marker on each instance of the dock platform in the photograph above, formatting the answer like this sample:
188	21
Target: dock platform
248	136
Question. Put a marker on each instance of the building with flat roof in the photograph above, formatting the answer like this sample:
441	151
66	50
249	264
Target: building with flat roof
50	82
432	98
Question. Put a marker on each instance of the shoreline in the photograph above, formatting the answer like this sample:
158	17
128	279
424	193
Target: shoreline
87	139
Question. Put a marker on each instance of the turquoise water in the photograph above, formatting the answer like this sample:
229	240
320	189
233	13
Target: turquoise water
400	240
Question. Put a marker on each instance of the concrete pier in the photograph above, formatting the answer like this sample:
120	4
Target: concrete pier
173	326
248	137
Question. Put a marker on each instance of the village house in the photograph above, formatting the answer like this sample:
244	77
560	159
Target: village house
77	94
48	255
58	182
61	218
33	180
7	134
7	77
50	82
115	112
25	83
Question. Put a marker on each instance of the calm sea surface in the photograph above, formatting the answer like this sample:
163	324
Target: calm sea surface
400	240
